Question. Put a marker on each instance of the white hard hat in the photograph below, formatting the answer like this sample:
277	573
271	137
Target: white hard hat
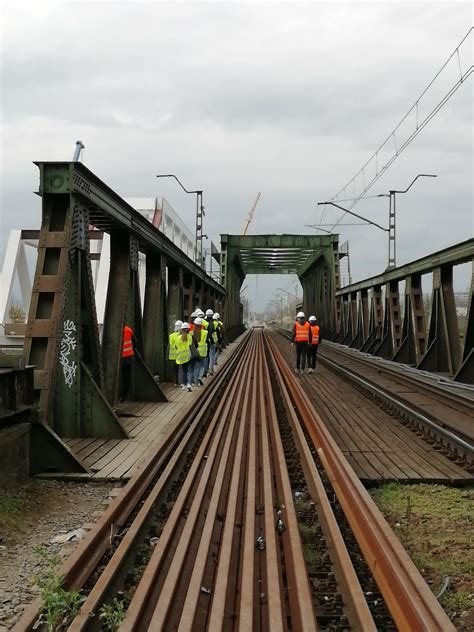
193	315
200	312
185	326
198	321
209	312
300	315
216	316
177	325
312	318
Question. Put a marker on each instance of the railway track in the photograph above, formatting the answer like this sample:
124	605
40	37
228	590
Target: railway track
428	407
249	518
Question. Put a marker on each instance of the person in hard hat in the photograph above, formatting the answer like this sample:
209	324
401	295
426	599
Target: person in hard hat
199	336
128	358
302	340
207	322
201	314
213	340
172	349
192	318
219	330
182	344
315	342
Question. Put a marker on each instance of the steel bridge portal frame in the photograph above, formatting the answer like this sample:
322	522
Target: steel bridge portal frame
314	258
77	379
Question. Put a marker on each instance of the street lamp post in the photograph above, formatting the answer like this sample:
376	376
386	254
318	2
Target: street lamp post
199	215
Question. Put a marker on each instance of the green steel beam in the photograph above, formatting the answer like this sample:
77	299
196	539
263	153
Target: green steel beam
455	255
109	211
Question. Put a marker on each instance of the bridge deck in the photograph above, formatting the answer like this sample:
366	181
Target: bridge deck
375	443
147	423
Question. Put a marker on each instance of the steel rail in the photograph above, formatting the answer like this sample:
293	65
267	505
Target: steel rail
355	604
155	586
299	595
117	563
170	591
466	447
407	596
452	438
397	371
166	600
85	558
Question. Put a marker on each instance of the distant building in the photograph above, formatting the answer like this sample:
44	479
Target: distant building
162	215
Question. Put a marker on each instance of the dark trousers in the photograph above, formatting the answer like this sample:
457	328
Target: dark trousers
127	364
313	355
176	374
301	353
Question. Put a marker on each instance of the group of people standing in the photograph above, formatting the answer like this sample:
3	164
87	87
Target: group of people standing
306	338
194	347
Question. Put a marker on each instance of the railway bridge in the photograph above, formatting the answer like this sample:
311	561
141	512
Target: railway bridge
244	503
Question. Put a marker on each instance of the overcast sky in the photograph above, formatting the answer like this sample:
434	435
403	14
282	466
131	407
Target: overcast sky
289	99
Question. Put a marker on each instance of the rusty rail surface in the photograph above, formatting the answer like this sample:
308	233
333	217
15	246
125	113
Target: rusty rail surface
408	597
79	567
452	432
229	554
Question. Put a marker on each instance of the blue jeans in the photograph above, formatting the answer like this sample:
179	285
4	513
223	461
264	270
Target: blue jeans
199	366
212	357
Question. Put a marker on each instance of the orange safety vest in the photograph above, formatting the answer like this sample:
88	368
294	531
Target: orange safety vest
302	332
191	326
127	348
315	334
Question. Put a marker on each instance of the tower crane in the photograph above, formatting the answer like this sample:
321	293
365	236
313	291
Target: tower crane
250	215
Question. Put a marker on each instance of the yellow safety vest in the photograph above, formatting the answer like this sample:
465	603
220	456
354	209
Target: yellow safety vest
215	327
202	344
205	324
183	351
171	348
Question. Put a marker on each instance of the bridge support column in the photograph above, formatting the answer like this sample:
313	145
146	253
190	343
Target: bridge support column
189	293
466	371
374	335
444	350
175	295
412	347
391	335
154	314
62	337
123	306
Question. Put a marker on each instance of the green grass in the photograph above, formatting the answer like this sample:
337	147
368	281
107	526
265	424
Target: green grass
457	601
435	524
8	505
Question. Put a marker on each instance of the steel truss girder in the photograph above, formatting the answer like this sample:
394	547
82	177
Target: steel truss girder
123	306
406	340
62	338
108	211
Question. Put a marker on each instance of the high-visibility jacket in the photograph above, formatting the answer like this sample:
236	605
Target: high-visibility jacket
183	348
202	344
314	334
127	346
171	347
213	328
205	323
302	332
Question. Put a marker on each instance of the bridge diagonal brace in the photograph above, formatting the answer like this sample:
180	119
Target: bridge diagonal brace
49	454
98	417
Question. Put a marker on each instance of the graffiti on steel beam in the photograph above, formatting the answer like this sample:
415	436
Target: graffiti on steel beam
68	344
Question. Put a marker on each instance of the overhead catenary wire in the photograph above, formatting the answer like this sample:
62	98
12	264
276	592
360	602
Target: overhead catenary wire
398	149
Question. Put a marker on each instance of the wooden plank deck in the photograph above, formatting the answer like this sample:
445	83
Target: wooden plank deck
376	444
148	425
